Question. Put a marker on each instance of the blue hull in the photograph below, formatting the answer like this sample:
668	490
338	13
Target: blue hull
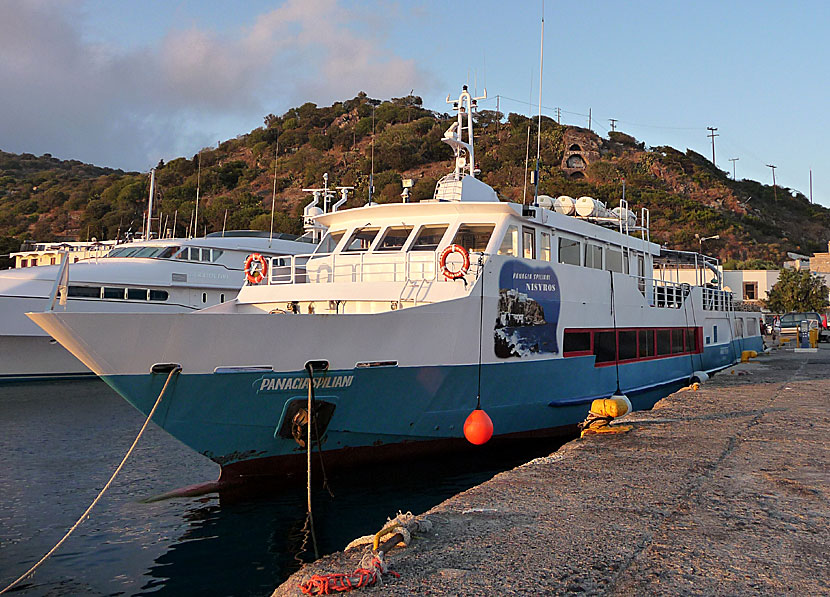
239	419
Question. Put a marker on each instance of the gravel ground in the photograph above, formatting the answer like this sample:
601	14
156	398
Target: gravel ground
724	491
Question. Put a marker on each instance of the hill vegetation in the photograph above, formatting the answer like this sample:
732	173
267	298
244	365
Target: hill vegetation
45	198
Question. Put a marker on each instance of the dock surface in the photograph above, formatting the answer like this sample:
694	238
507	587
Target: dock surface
723	491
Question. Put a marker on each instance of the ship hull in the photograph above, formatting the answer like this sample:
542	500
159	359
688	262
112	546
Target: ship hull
398	382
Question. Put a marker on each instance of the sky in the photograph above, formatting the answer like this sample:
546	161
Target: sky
123	84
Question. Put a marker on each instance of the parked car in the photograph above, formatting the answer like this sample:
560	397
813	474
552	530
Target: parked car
791	322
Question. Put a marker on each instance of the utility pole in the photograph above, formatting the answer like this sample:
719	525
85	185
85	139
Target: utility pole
613	124
558	115
774	190
733	160
589	119
497	102
712	135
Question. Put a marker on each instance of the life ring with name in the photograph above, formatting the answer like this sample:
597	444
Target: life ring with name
465	264
255	274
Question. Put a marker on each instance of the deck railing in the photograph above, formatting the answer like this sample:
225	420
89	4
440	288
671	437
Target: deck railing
329	268
717	300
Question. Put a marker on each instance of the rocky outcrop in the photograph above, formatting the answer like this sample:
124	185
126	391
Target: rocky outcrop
517	309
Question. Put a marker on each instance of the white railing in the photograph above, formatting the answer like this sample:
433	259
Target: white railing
717	300
662	293
329	268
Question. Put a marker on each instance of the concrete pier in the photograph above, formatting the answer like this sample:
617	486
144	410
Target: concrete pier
724	491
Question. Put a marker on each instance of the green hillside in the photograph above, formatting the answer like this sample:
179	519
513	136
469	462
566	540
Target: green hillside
46	199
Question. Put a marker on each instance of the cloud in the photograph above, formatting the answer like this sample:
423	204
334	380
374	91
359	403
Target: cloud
65	95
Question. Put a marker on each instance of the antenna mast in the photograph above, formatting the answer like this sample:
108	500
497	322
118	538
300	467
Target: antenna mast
149	225
195	229
539	131
273	197
454	136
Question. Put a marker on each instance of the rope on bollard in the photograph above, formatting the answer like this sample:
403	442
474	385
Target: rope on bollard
31	570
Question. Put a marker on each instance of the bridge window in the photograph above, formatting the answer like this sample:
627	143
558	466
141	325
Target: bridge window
593	256
361	239
394	238
474	237
614	260
569	251
429	237
330	241
510	242
544	249
529	242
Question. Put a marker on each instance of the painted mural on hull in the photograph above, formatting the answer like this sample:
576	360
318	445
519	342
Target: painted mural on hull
528	312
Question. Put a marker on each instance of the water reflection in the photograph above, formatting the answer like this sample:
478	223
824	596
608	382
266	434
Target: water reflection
62	441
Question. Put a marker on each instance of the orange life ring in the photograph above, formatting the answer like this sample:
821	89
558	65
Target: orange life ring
465	265
255	275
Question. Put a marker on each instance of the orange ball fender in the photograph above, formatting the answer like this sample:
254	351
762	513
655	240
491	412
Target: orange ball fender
465	264
478	428
255	275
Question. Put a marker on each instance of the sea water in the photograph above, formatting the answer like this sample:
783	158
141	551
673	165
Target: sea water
61	441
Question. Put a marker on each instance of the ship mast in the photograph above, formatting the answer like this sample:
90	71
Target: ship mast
454	136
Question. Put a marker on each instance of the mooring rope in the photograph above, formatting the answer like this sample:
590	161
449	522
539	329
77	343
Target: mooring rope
101	493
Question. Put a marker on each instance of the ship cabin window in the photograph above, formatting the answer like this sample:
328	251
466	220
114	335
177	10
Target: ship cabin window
113	293
663	342
593	256
329	242
575	343
646	346
394	238
613	260
429	237
529	242
215	254
544	247
605	348
84	291
158	295
361	239
569	251
474	237
628	345
136	294
677	341
168	252
124	252
148	252
510	242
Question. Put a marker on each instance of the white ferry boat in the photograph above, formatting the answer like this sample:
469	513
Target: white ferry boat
405	315
153	276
